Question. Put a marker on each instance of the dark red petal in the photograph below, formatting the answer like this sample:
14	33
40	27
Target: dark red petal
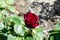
31	19
35	25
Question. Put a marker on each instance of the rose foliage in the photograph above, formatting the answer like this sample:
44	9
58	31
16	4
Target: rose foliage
25	27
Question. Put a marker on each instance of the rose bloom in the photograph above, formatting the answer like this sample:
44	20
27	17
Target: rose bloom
31	20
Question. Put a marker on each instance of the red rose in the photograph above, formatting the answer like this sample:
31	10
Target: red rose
31	19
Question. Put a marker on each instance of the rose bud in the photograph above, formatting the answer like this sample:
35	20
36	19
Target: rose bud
31	20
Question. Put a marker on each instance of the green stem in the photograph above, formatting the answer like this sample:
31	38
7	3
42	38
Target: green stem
54	32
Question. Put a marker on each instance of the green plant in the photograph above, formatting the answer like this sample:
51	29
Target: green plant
12	26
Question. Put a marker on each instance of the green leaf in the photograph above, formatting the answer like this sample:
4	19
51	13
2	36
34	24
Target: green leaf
22	20
10	2
5	20
19	38
52	38
57	26
28	36
12	9
4	12
16	19
1	16
19	30
38	34
38	29
2	4
11	37
1	26
12	18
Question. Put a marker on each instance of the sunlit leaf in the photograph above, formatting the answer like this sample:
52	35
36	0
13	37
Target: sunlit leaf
13	18
22	20
12	9
19	30
4	12
19	38
1	16
5	20
38	29
11	37
10	2
16	19
38	34
1	26
28	38
2	4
